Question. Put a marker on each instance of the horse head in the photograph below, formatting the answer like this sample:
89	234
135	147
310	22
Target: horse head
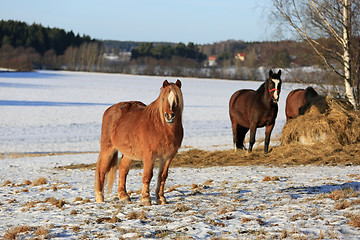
274	85
171	105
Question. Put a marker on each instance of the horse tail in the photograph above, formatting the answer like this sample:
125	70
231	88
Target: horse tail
310	96
110	177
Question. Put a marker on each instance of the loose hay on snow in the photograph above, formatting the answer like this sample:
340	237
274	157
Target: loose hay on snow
329	119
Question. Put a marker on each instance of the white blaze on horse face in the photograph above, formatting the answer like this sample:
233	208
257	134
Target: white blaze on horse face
276	82
171	99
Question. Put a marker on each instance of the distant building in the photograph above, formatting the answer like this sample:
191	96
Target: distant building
240	57
121	57
212	61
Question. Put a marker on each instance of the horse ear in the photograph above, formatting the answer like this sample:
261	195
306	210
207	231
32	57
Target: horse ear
279	73
165	83
178	83
270	73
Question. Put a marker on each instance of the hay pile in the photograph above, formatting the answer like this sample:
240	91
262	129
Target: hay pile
329	120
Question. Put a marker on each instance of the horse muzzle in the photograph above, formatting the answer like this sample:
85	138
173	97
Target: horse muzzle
169	118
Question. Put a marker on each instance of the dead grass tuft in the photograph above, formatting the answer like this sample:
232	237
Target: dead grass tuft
27	182
268	178
77	199
73	212
355	220
114	219
6	183
224	210
15	231
339	194
55	202
136	215
41	231
343	204
40	181
181	208
31	204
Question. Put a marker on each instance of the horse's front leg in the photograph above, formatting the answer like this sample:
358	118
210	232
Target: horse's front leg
147	175
124	168
163	173
252	137
268	130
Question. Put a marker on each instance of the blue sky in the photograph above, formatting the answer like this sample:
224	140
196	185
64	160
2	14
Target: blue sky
198	21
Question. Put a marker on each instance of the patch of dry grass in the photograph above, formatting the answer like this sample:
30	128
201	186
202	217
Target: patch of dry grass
268	178
181	208
6	183
136	215
331	120
15	231
113	219
40	181
55	202
355	220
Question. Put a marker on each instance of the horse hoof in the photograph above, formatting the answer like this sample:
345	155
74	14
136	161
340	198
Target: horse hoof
99	197
161	201
146	202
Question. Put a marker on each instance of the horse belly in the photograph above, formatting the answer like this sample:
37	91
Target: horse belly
138	138
120	127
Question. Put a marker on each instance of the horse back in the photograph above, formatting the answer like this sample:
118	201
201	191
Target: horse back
120	110
119	114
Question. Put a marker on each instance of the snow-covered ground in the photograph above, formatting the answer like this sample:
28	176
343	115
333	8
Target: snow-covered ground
61	112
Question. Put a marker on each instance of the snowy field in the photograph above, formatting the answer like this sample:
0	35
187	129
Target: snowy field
48	112
62	111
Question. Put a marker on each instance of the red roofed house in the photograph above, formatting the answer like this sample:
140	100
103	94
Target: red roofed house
240	56
212	61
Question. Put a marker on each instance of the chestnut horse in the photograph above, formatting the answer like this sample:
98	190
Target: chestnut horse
299	101
251	109
140	132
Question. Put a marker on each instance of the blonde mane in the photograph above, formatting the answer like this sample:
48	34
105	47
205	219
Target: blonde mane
157	105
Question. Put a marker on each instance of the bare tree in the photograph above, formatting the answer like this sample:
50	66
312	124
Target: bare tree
71	58
327	25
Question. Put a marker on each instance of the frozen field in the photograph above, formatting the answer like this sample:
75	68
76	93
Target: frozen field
47	112
62	111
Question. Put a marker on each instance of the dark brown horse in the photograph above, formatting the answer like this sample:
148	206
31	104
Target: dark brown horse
299	101
251	109
144	133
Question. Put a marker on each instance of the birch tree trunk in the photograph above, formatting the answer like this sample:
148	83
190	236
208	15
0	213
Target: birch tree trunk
349	89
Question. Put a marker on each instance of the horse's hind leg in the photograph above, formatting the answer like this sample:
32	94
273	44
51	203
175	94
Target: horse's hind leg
163	173
104	164
239	133
124	168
